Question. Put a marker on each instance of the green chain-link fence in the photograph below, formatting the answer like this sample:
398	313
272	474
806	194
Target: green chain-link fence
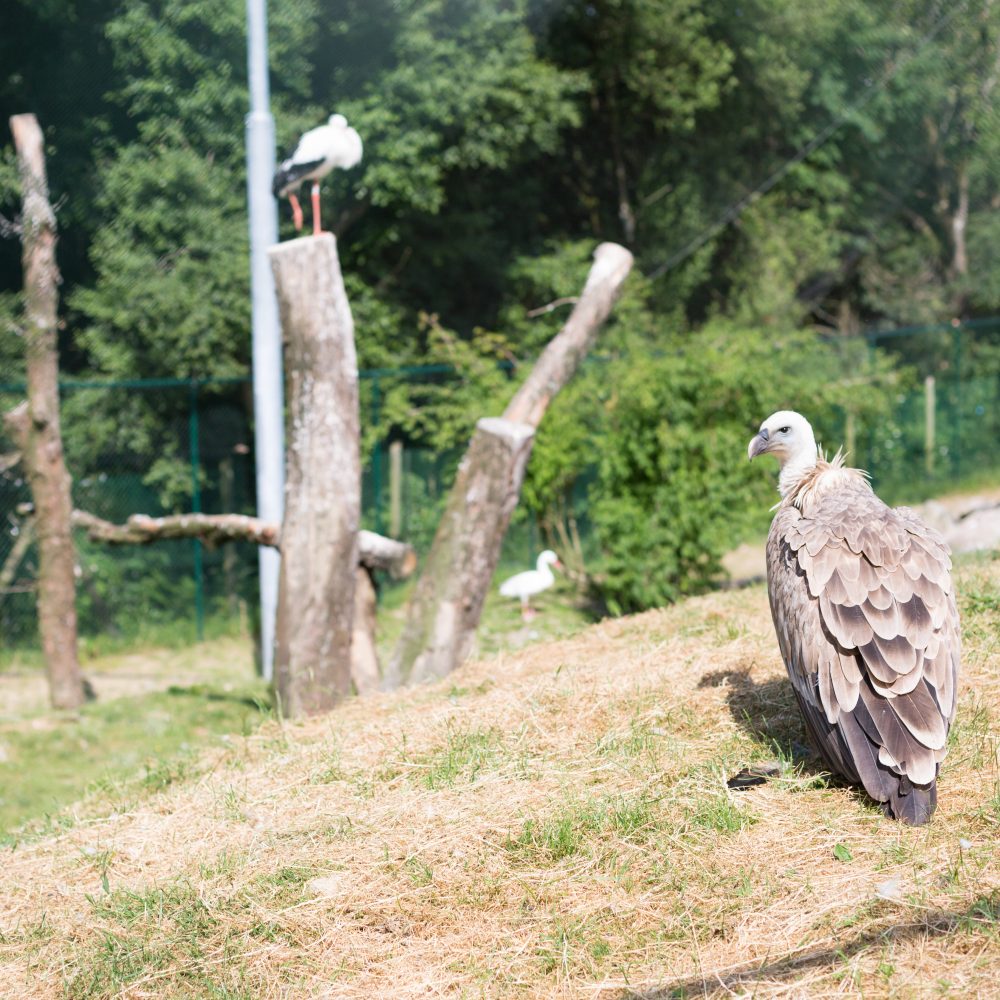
156	446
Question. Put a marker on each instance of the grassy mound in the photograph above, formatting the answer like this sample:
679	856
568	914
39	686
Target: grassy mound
549	822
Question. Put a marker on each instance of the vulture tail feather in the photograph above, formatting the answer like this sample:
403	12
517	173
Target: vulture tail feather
913	804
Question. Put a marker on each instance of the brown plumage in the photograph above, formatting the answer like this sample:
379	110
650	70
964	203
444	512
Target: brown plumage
864	609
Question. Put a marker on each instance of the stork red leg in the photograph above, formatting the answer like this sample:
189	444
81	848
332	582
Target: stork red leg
317	221
296	211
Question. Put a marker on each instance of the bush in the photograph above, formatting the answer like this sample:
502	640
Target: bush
674	489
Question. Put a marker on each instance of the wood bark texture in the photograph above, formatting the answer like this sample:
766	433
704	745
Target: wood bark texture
374	551
447	602
41	447
563	354
319	537
365	672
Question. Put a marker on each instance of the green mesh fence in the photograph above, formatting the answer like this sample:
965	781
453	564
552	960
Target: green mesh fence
166	445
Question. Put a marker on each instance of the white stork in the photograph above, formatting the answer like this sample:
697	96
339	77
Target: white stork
864	607
525	585
319	151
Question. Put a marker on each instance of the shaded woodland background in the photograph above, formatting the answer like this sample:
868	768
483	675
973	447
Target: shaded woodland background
794	177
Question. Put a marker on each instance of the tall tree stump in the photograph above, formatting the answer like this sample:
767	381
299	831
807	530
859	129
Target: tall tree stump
37	430
319	536
446	605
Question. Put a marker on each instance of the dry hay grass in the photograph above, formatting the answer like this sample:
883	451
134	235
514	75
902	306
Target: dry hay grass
553	822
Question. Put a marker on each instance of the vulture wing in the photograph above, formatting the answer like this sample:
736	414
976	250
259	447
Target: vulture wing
864	608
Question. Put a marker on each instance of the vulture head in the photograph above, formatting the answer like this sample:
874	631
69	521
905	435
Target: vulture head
337	121
788	436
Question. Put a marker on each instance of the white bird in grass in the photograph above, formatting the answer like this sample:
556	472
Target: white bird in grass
533	581
864	607
321	149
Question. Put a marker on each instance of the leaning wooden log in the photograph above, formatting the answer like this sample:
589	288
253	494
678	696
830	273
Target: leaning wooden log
319	547
40	441
374	551
446	605
448	600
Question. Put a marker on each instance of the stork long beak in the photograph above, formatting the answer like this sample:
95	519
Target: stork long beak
759	443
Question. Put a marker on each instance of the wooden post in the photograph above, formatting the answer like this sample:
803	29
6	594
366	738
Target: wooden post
364	659
319	537
41	440
395	489
447	602
930	422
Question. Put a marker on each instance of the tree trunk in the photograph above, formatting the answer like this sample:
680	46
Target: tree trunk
42	443
444	611
445	607
319	537
364	658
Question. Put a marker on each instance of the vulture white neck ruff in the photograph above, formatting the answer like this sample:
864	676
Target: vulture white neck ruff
800	484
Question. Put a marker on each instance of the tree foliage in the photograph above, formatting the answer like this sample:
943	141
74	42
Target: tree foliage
786	171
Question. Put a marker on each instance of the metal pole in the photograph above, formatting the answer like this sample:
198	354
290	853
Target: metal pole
376	458
199	565
268	383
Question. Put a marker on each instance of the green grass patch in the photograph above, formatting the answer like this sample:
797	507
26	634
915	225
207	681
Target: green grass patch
465	754
584	827
116	749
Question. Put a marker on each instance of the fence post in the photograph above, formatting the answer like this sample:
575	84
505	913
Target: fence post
930	404
199	568
395	489
956	413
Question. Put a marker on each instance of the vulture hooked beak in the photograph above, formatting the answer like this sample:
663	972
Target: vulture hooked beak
758	444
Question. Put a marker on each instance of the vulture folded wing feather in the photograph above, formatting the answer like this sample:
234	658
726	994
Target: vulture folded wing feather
864	755
846	622
885	622
921	767
845	680
919	712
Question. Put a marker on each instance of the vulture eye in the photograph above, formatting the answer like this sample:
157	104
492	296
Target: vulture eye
783	430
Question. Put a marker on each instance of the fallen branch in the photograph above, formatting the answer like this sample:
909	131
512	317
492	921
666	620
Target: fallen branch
375	551
212	529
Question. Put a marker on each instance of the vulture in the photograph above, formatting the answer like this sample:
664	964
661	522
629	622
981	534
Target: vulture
864	609
533	581
321	149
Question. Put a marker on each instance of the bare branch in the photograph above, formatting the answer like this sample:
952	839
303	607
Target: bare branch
569	300
375	551
11	229
25	537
